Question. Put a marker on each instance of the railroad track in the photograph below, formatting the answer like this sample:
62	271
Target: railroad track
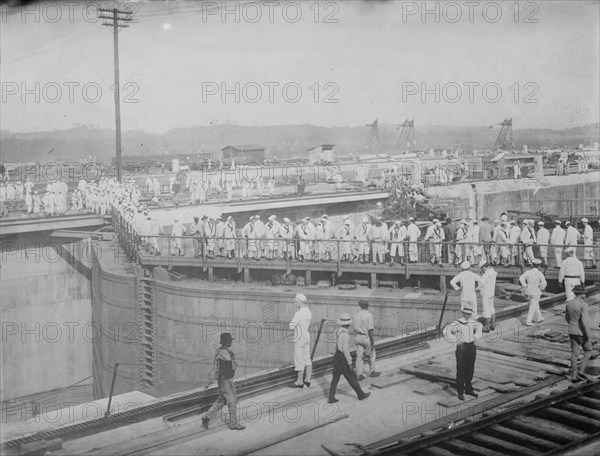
549	425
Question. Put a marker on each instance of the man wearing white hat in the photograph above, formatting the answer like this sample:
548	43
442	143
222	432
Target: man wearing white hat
528	239
461	239
270	243
346	234
557	239
229	235
342	362
588	242
463	333
250	233
397	235
467	282
488	290
303	232
543	239
533	283
413	232
177	231
364	235
513	238
286	232
571	272
571	236
259	228
300	325
210	232
435	236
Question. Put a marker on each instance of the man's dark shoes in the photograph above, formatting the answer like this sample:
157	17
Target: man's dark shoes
366	395
293	385
472	393
461	397
361	378
307	384
375	374
333	401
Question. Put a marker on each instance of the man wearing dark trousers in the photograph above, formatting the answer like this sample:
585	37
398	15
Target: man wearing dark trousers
342	362
577	317
463	333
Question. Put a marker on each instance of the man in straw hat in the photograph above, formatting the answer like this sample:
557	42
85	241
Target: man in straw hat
342	361
224	366
463	333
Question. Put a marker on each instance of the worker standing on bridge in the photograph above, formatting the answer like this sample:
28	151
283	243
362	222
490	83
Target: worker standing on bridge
288	247
577	317
543	239
224	367
210	233
365	343
300	325
571	273
513	239
528	238
488	290
461	240
464	332
413	232
229	233
397	234
364	235
533	283
571	237
588	242
177	231
467	282
557	239
342	362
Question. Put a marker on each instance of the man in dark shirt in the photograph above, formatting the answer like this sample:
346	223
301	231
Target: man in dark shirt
223	371
450	236
577	318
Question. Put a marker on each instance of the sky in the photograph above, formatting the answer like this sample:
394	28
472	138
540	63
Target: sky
322	63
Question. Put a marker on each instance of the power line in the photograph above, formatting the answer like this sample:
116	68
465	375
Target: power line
119	19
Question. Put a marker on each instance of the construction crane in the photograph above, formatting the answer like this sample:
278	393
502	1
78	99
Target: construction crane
505	137
406	140
373	138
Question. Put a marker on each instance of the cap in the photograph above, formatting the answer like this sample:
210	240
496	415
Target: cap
226	337
525	221
286	220
363	303
463	221
467	310
512	222
411	219
379	204
584	220
465	265
434	221
347	222
229	218
204	217
482	263
345	319
541	223
567	223
272	217
570	250
324	216
557	221
300	297
579	289
257	216
536	261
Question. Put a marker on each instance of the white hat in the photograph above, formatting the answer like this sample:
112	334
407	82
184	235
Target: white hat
435	221
584	220
525	221
465	265
463	221
345	319
324	216
557	221
379	204
570	250
365	219
300	297
272	217
257	216
567	223
482	263
536	261
286	220
541	223
411	219
229	218
347	222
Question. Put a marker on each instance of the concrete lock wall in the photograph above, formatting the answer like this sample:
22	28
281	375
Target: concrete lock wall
46	316
188	319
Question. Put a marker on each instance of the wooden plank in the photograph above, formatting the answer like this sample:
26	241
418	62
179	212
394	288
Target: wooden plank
518	361
427	388
465	448
568	418
493	375
454	400
501	388
342	449
390	380
504	446
522	350
580	409
506	433
520	372
545	429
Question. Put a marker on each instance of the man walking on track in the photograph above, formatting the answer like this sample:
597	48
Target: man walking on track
342	362
577	318
464	332
223	372
533	282
300	324
365	345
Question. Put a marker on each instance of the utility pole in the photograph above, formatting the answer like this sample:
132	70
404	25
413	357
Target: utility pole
116	20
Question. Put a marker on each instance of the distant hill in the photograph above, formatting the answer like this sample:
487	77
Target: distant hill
282	141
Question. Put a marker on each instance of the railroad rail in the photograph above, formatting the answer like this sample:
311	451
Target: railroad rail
190	403
545	426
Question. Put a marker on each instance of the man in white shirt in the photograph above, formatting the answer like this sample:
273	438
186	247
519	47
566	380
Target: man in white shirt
364	340
300	325
177	231
534	282
413	232
588	242
467	281
571	236
557	239
463	333
488	290
571	272
543	239
397	234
